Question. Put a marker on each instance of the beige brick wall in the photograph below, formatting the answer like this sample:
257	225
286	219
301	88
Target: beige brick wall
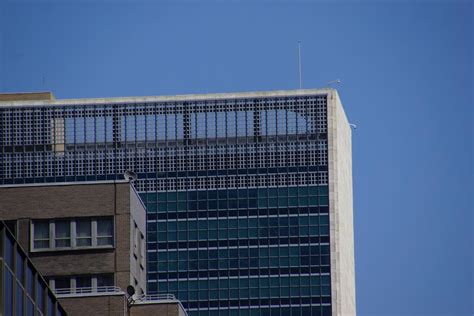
162	309
74	262
72	201
116	305
95	306
61	201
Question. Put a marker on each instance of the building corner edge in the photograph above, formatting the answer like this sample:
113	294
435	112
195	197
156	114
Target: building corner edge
340	208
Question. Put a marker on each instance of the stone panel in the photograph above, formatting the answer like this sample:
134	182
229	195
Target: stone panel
341	213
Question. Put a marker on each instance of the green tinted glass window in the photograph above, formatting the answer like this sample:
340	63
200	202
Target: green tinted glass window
323	190
283	201
272	202
182	196
161	197
323	200
293	191
303	191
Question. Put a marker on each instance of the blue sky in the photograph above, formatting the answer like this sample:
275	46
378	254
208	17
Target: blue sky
407	82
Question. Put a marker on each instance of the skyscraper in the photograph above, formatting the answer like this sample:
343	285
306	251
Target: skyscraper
248	195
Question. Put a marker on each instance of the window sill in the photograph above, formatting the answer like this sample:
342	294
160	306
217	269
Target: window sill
72	249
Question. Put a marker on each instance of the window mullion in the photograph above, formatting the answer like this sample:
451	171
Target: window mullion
52	235
73	233
32	235
72	284
94	283
94	233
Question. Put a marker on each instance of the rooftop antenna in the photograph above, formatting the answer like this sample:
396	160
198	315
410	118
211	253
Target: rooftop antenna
337	81
299	62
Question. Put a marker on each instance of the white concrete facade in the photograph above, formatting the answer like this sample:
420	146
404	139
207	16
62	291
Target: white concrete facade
340	209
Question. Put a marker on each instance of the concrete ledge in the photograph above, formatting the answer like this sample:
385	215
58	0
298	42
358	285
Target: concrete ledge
172	98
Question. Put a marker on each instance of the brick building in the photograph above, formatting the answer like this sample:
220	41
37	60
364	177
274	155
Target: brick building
88	241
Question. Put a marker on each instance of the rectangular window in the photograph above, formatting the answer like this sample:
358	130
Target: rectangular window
30	279
62	283
83	282
73	233
41	235
62	234
40	288
8	298
151	127
88	129
104	232
136	240
142	251
105	280
20	261
83	233
50	305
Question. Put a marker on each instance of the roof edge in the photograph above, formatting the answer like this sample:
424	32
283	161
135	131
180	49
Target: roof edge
52	184
169	98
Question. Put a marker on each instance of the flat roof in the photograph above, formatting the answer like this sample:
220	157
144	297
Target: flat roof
169	98
52	184
48	184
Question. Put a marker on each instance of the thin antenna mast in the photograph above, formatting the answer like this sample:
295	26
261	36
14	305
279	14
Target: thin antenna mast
299	62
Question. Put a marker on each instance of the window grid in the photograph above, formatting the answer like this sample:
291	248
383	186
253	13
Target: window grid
44	234
190	147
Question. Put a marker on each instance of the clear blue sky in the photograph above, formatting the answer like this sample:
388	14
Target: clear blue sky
407	73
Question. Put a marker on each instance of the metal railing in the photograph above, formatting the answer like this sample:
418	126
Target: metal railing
88	290
159	298
156	297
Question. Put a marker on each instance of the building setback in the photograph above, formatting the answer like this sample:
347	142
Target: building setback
248	195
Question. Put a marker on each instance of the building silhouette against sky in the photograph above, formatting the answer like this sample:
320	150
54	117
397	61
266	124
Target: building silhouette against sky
248	195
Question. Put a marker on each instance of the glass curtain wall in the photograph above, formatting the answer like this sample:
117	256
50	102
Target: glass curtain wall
24	291
236	191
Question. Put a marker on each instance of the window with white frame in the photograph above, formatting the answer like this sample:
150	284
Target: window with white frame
82	284
75	233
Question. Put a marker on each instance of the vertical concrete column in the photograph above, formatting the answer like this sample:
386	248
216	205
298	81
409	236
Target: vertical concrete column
340	208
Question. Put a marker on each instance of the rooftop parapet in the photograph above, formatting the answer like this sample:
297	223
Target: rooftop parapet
27	96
